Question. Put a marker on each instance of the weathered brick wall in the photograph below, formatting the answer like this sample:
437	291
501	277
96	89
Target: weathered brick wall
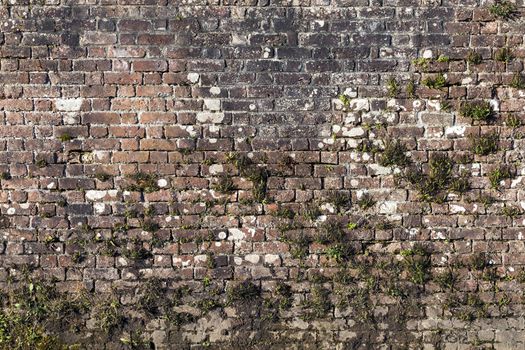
272	174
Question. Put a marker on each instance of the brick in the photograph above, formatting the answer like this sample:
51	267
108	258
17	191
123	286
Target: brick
150	66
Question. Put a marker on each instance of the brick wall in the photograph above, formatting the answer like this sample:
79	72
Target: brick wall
261	174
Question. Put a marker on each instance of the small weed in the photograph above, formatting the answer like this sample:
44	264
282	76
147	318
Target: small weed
486	200
224	185
366	201
150	226
484	145
443	58
339	252
108	314
102	176
511	212
417	263
445	106
503	9
440	179
77	257
299	246
143	182
352	226
284	295
259	178
5	175
384	225
478	111
518	81
41	163
513	121
460	184
503	55
65	137
411	89
344	100
392	87
478	261
243	292
474	57
342	200
331	232
499	174
367	146
421	63
437	82
447	279
136	251
312	212
284	213
394	154
318	305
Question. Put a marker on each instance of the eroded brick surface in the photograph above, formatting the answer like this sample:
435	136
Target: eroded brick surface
262	174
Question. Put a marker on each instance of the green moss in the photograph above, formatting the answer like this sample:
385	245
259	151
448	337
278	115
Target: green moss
394	154
503	9
478	111
484	145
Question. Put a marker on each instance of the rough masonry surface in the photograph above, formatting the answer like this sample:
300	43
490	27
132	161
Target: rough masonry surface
262	174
